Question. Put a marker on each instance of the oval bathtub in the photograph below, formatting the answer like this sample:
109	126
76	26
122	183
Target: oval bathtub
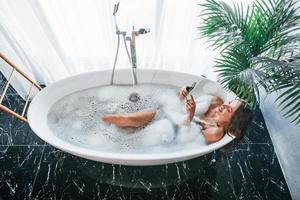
42	102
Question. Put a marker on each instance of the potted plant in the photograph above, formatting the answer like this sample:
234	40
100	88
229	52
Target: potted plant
260	49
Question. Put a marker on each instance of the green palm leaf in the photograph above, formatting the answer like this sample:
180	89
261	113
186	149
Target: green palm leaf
258	49
285	79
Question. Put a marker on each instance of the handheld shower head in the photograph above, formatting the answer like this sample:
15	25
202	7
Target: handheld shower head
144	30
116	8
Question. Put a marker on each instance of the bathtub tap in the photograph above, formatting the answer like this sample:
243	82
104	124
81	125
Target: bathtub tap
132	55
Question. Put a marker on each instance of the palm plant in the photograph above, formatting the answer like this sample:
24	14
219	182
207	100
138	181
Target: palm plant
259	49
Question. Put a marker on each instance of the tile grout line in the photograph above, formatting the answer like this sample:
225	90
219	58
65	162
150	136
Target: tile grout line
23	145
37	171
230	174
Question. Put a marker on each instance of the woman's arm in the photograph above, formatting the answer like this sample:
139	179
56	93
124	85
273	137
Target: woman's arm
190	105
190	108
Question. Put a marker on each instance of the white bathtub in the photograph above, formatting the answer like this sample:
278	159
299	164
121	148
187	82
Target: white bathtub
42	102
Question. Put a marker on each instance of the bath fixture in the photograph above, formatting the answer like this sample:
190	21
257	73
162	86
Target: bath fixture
134	97
44	100
132	55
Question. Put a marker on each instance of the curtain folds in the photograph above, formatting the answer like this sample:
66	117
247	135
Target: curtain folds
54	39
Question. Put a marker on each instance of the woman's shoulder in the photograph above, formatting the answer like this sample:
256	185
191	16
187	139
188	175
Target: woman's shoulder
213	134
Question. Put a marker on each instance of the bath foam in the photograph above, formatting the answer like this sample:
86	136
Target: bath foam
76	118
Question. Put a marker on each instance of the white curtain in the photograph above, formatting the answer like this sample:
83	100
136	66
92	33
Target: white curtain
54	39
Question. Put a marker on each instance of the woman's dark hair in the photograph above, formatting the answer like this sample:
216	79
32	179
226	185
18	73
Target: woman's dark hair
238	124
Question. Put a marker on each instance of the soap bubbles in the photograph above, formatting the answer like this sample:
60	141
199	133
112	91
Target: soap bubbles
76	118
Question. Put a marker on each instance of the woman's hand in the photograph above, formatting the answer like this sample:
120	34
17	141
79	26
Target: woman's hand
190	108
183	93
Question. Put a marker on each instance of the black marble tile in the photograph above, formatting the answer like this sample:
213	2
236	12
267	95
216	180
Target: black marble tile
12	130
11	98
16	132
248	173
18	168
10	89
256	173
65	176
213	180
257	131
14	102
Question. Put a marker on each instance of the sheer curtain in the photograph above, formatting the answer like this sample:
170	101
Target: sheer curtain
54	39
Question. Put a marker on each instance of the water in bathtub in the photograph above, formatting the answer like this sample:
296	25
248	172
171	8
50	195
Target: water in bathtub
76	118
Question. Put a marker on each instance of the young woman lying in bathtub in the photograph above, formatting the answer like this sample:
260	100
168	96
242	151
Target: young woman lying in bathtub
216	120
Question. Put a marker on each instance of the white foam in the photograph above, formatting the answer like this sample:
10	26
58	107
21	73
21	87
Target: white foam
76	118
158	133
77	125
189	133
96	140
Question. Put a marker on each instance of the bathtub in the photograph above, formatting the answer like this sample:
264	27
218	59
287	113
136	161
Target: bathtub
42	102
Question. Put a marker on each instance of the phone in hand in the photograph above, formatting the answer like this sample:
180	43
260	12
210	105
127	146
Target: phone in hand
190	88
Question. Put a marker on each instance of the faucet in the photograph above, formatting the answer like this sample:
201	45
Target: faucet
132	55
133	59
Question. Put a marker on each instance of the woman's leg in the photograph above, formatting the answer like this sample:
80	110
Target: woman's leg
136	119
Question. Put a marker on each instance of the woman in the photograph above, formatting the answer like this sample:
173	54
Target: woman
218	119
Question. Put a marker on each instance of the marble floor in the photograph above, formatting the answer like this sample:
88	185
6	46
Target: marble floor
32	169
285	137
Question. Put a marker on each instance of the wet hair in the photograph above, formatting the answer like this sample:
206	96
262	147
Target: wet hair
238	124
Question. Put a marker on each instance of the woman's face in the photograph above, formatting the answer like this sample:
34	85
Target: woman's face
225	111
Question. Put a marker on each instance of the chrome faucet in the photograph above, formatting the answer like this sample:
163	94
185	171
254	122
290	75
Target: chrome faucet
133	50
132	55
